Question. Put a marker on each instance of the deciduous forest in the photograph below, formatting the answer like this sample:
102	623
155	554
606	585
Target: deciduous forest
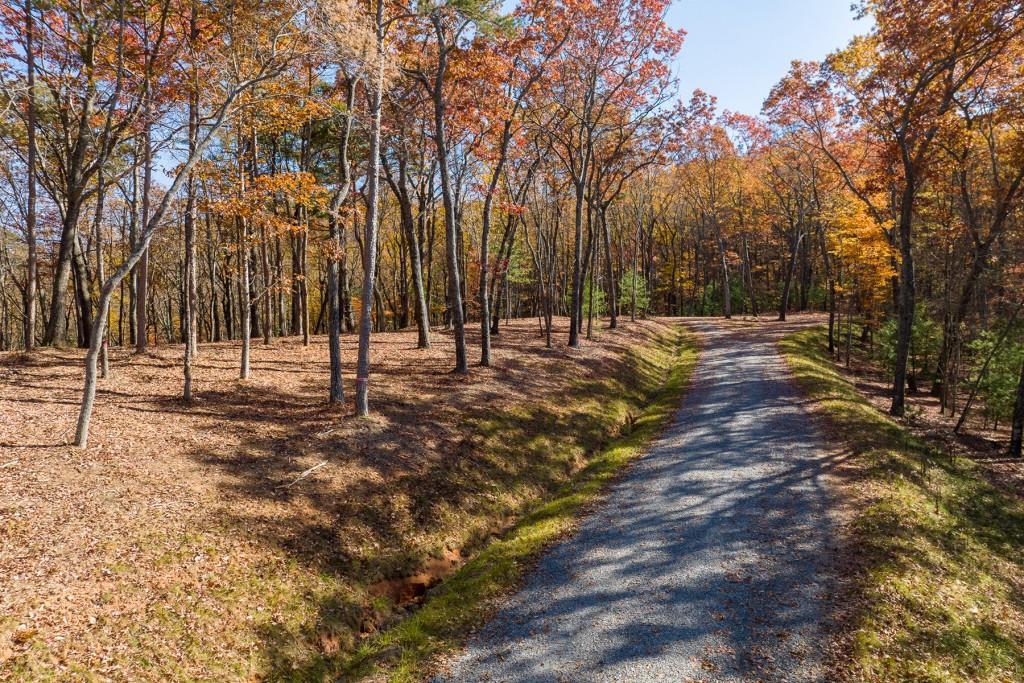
181	173
327	196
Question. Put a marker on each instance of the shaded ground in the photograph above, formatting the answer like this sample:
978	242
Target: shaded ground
181	546
710	561
979	439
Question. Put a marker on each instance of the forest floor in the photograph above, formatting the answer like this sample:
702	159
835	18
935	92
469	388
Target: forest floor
979	439
261	533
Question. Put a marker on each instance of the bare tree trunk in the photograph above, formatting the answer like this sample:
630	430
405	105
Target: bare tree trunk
82	296
335	232
133	229
100	268
142	272
613	295
245	303
450	225
296	291
575	323
790	274
830	277
304	283
590	293
422	310
400	188
1017	431
485	236
267	294
31	264
750	277
191	294
56	325
907	300
243	290
634	274
726	287
370	252
191	284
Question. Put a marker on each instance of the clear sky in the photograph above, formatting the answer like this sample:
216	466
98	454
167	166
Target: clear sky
737	50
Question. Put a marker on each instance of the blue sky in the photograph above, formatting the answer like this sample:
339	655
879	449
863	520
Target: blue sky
737	50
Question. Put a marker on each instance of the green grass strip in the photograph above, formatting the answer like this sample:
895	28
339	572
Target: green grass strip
936	552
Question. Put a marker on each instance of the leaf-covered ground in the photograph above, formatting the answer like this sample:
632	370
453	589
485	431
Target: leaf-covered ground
979	439
177	547
935	553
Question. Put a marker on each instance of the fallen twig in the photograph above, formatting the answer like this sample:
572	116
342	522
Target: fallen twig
302	476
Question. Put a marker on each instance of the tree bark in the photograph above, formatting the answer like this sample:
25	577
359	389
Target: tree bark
400	188
370	252
1017	430
335	230
907	300
243	290
31	264
82	294
191	284
787	286
450	225
101	269
577	274
142	272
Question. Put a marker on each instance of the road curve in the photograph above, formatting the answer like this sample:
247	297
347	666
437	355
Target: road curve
708	561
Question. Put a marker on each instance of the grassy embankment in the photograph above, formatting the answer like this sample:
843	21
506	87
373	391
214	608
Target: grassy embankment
937	554
662	371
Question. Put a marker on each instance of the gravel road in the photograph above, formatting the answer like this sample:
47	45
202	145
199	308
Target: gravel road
707	562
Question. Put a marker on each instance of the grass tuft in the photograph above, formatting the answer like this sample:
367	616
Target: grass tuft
937	551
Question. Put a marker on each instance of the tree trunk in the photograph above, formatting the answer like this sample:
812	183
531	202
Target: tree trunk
31	263
370	252
243	290
335	231
724	264
1017	431
787	286
100	268
400	188
56	326
304	282
450	226
907	300
245	275
613	296
485	235
142	272
83	297
295	242
191	284
750	277
577	261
